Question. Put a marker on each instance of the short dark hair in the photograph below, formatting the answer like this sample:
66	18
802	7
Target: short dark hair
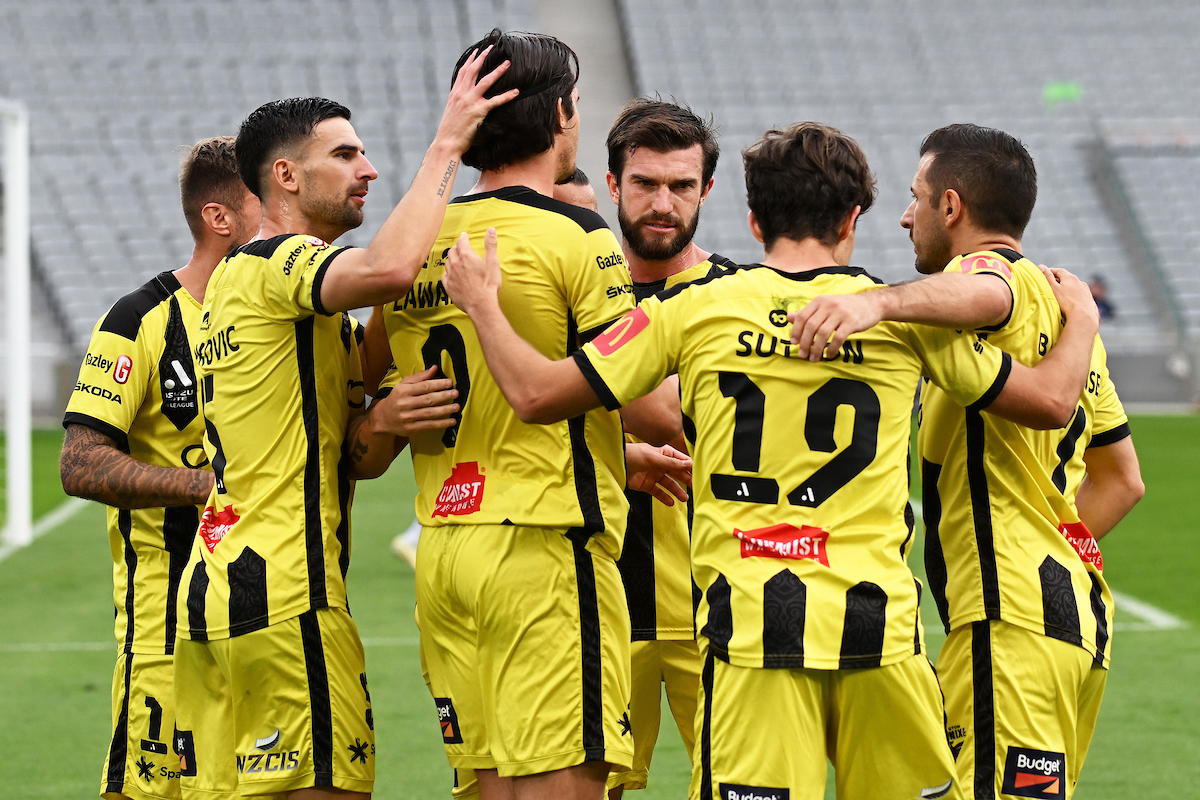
992	172
545	70
663	127
278	126
209	174
576	178
803	181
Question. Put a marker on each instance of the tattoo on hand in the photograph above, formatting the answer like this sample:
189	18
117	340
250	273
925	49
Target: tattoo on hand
446	178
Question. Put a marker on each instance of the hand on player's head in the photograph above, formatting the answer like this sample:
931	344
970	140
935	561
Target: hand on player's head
469	279
823	325
467	106
420	402
1073	295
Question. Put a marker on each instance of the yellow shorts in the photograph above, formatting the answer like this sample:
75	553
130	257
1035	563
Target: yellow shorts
766	733
674	664
525	635
279	709
141	763
1020	709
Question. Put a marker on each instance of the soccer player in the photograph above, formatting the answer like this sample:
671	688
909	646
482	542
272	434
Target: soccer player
577	190
661	160
524	625
133	442
810	633
272	694
1011	519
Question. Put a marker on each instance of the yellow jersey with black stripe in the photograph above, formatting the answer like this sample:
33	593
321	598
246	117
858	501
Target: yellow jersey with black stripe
280	379
802	525
655	567
137	385
565	280
1004	538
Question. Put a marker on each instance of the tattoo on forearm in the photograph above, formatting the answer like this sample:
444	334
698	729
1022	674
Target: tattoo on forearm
446	178
91	466
359	451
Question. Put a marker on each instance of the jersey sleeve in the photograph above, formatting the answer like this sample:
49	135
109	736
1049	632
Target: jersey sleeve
390	379
1110	423
991	264
289	288
598	286
112	384
965	366
634	355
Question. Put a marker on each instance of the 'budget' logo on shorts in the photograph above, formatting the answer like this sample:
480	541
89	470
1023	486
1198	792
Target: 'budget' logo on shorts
1035	773
462	493
736	791
448	720
785	541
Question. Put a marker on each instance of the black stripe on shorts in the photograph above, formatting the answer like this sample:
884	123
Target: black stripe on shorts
318	698
589	639
985	710
118	750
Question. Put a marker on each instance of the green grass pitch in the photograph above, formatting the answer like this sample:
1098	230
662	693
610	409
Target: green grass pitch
55	703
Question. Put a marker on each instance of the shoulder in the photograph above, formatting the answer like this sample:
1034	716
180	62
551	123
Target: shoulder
287	244
585	219
126	315
705	279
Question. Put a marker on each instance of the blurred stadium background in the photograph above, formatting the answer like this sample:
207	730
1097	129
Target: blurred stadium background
1105	93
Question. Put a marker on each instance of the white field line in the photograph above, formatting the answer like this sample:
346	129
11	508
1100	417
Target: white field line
1149	618
66	509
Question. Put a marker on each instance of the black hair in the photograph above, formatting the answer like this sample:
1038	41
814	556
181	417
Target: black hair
275	127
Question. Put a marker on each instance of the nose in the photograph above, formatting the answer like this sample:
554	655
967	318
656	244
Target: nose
366	171
662	201
906	219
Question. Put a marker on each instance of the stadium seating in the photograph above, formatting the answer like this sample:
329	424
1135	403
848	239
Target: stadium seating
889	72
117	91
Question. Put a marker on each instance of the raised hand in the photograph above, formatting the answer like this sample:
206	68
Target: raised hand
469	279
466	107
822	326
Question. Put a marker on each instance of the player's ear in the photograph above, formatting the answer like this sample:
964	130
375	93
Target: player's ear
755	228
217	218
849	223
707	188
952	209
614	187
286	174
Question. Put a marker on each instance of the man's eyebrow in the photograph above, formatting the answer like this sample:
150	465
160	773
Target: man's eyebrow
347	146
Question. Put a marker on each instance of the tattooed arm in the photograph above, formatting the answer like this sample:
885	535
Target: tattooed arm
420	402
91	466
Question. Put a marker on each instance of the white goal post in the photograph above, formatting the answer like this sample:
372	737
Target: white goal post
18	530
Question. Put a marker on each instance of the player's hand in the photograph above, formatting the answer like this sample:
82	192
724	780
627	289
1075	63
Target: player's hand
658	471
831	319
466	107
1073	295
470	280
420	402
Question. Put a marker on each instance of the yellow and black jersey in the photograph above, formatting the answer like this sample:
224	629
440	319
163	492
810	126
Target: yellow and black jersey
654	564
802	525
280	380
138	386
1004	538
565	280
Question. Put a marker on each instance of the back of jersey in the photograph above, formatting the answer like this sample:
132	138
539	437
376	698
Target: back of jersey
564	281
1004	538
801	526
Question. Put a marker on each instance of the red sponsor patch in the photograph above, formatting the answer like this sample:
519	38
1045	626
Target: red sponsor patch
621	331
1084	543
314	241
215	525
986	264
462	493
121	370
785	541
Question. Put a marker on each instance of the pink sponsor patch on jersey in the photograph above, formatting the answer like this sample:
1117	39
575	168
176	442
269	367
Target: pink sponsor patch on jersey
215	525
1084	543
785	541
462	493
314	241
621	332
121	370
986	264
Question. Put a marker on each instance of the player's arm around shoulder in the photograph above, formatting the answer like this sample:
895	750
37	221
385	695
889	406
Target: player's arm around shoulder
1046	396
946	300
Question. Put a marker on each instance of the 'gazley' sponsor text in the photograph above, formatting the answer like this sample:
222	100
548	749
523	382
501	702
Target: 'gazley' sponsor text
604	262
99	362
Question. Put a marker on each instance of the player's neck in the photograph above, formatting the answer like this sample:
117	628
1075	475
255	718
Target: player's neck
282	216
789	255
974	241
535	173
646	271
193	276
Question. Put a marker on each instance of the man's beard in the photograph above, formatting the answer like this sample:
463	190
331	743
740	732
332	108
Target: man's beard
934	252
657	247
332	211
